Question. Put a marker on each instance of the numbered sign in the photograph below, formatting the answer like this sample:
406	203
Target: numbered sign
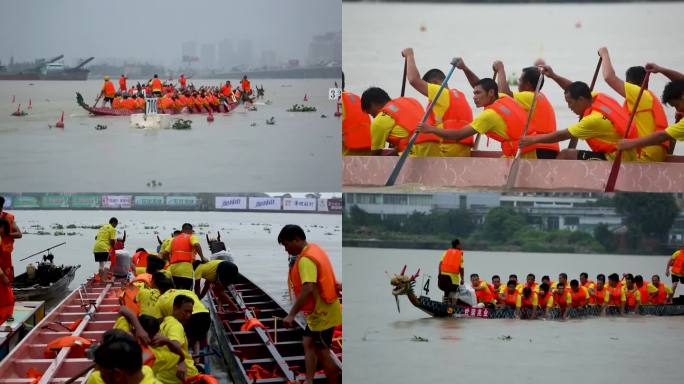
334	93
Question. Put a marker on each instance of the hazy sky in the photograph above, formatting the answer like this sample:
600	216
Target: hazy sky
154	30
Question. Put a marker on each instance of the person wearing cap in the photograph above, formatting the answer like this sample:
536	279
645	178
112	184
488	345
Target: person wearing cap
108	91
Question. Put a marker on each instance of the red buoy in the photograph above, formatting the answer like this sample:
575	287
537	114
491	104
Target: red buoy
60	123
337	112
30	107
306	98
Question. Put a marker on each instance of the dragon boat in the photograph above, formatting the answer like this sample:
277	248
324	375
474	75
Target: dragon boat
404	285
106	111
487	170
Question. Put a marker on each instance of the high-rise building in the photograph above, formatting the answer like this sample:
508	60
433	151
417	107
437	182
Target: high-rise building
208	56
326	48
226	54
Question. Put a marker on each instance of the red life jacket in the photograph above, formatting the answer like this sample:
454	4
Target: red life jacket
526	302
356	123
458	115
658	113
660	297
514	116
156	85
543	121
326	281
643	292
511	298
122	84
611	110
615	294
7	245
78	346
599	295
579	298
407	113
451	263
677	263
544	300
182	250
631	296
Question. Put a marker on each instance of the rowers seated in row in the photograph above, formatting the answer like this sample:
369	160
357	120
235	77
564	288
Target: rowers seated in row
131	103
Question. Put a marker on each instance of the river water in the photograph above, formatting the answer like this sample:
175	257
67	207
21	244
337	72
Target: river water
252	238
379	346
635	33
226	155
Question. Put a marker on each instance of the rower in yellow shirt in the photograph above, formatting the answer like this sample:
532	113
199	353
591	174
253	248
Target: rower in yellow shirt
218	275
450	111
673	94
113	367
172	328
650	116
394	121
450	271
545	298
181	254
602	124
312	279
104	241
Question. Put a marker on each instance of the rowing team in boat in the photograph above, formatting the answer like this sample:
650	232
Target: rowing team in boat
175	99
522	121
164	313
626	294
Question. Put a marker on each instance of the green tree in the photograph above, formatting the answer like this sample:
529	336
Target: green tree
502	223
651	214
605	237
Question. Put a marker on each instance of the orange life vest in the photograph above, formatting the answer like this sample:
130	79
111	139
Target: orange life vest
156	85
148	356
660	297
108	89
579	297
7	245
458	115
246	87
202	378
407	113
116	104
533	287
325	277
122	84
631	296
526	302
78	346
677	263
182	250
544	300
139	103
561	299
543	122
128	294
514	116
658	113
614	295
356	123
511	298
226	90
252	323
484	295
599	295
611	110
128	104
451	263
643	292
182	81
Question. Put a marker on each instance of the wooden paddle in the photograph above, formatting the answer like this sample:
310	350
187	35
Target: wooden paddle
573	141
513	172
477	136
612	178
402	159
403	80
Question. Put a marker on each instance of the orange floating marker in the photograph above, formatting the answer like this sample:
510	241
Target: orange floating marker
306	98
60	123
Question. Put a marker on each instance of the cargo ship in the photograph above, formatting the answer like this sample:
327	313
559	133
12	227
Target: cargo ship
52	69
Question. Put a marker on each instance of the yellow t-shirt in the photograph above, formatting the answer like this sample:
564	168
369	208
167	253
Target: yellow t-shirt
122	324
455	277
483	284
676	131
596	126
165	244
490	121
645	123
148	297
105	234
677	253
383	125
148	377
207	270
181	269
164	305
324	316
173	329
440	108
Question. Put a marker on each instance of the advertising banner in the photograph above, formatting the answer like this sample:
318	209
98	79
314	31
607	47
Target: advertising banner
117	201
54	201
335	204
265	203
227	202
299	204
148	201
26	202
85	201
181	201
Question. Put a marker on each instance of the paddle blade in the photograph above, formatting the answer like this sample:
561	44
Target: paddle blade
612	178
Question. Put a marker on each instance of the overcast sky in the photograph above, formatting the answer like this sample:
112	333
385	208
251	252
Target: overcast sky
154	30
